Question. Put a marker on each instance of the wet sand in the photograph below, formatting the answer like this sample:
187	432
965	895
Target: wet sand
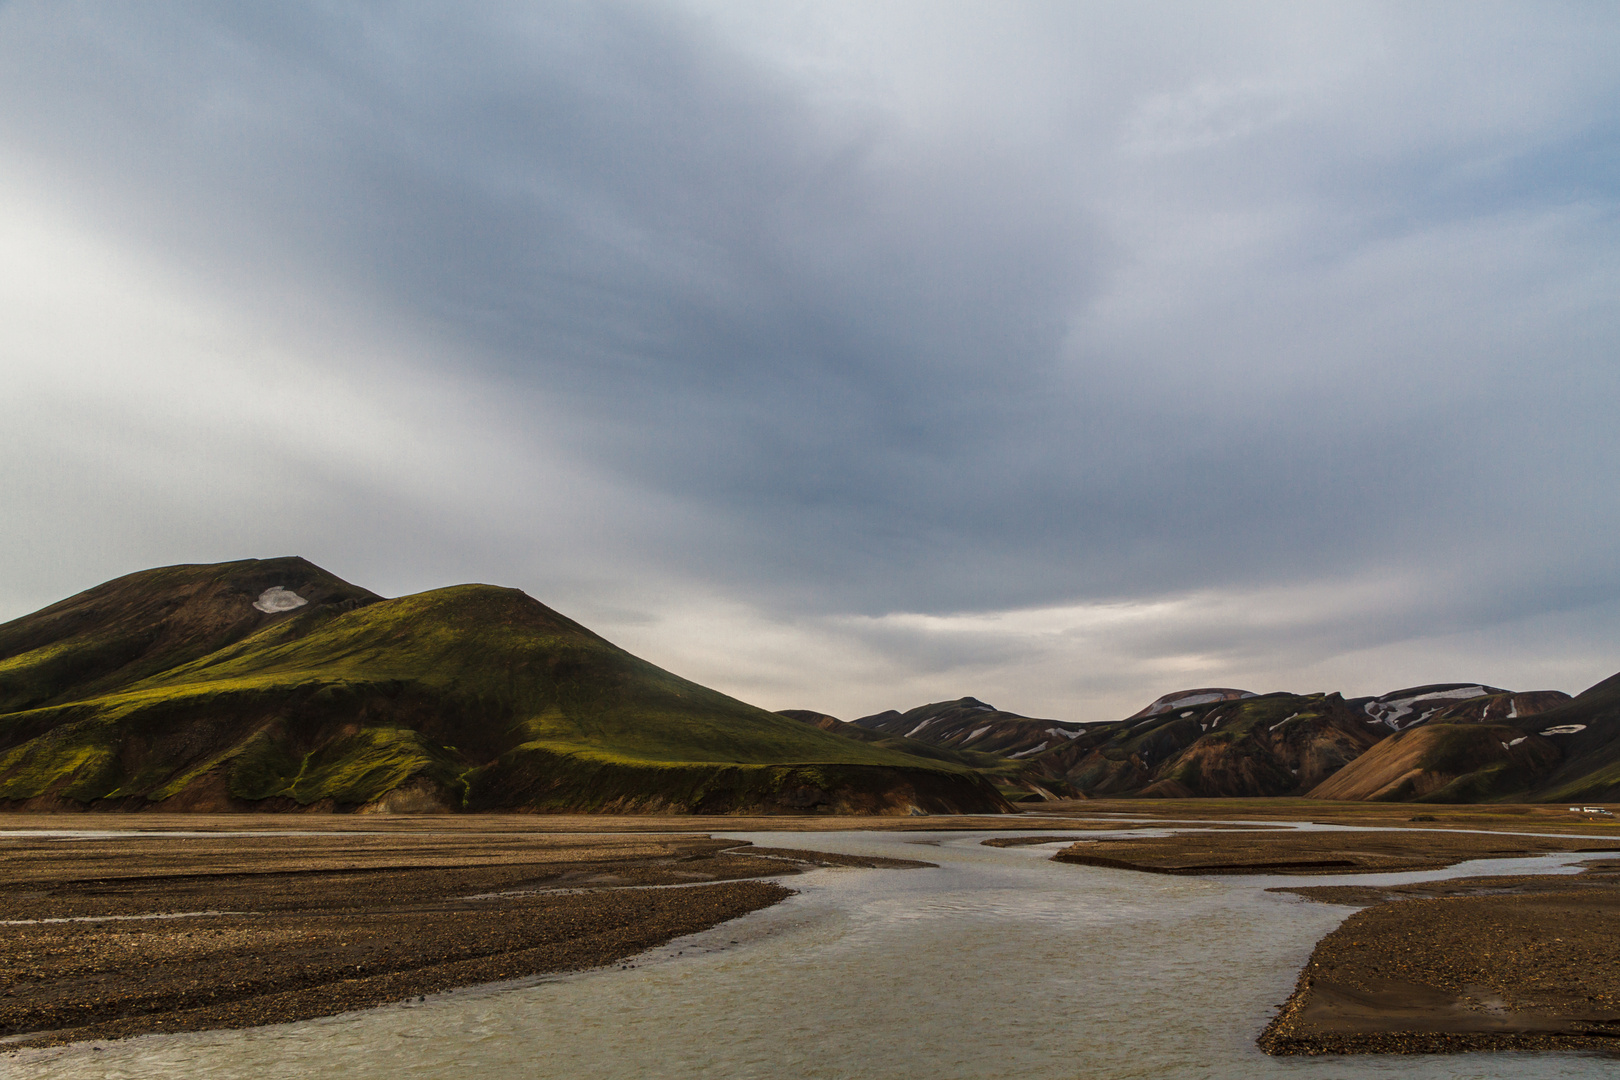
268	929
1526	963
1274	852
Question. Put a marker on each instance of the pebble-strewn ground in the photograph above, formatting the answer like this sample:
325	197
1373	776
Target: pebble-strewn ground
278	928
1489	964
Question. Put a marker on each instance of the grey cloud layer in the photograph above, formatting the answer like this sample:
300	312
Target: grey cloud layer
924	309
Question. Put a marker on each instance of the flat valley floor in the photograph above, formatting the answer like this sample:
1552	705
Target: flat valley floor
117	925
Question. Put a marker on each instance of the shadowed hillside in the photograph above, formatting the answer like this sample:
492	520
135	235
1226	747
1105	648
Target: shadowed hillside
1016	780
1255	745
969	724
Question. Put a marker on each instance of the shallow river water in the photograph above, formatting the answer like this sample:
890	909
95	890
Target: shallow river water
998	963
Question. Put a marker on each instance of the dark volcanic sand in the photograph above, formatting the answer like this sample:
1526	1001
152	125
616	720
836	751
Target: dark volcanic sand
1528	963
1311	852
313	925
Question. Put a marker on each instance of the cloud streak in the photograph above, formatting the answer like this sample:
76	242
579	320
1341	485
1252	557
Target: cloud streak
863	333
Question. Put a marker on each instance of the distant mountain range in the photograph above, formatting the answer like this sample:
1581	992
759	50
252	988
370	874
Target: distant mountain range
273	685
1444	742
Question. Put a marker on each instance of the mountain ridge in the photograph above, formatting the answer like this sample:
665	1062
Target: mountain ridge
1460	742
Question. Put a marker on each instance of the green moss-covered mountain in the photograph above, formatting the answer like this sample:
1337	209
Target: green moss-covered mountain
271	684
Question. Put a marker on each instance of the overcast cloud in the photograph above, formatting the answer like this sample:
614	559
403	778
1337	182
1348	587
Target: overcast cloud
842	356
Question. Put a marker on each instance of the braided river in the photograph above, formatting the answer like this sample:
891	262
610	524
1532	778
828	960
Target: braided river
997	963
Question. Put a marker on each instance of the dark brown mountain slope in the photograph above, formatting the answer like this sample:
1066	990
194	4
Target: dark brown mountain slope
1014	778
1273	744
1535	746
969	724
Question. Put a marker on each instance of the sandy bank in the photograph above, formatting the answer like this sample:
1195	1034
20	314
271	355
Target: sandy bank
1273	852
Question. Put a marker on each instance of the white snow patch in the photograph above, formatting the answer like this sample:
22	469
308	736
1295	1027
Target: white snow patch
1281	722
1513	713
976	733
1186	714
1517	741
920	726
276	599
1393	711
1565	729
1064	732
1031	750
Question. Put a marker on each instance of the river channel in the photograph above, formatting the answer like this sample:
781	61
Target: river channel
999	963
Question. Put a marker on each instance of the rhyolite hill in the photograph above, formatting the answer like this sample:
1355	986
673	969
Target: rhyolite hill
1445	743
273	685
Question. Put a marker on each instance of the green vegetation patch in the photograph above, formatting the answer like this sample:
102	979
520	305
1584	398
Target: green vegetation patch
77	760
351	770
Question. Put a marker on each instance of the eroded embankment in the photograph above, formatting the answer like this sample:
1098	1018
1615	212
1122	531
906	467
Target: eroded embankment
270	929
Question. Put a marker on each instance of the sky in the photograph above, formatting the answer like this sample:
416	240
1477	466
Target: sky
842	356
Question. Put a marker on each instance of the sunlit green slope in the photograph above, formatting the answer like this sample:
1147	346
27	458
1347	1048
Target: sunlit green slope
473	697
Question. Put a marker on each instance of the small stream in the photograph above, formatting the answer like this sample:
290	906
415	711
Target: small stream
999	963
